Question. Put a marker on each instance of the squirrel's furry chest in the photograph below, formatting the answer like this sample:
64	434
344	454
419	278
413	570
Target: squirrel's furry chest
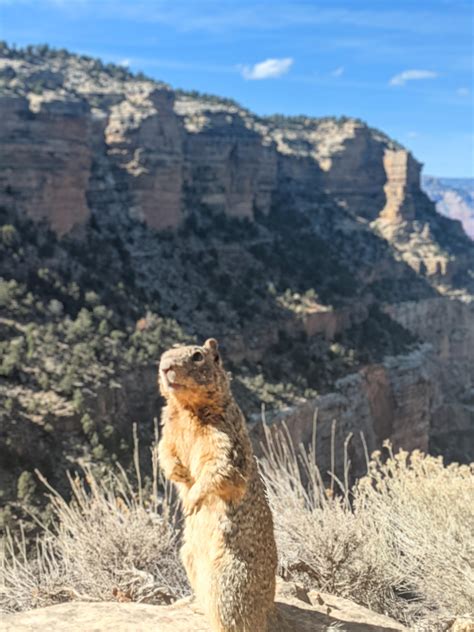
195	444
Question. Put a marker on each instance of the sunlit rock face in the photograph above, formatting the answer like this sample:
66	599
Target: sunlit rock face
45	159
403	178
76	139
143	141
393	401
164	152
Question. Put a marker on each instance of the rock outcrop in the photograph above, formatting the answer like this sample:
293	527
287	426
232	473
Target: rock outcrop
72	131
423	400
46	158
448	326
298	611
394	400
144	143
403	177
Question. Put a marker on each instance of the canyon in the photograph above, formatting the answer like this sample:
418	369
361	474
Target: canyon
454	197
307	246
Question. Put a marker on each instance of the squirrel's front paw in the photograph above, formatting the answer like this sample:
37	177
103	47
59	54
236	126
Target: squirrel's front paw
180	473
193	502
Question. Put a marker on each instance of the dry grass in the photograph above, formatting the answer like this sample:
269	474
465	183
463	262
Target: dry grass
400	541
423	514
321	541
110	542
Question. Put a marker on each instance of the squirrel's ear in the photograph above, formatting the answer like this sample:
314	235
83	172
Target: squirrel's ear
211	343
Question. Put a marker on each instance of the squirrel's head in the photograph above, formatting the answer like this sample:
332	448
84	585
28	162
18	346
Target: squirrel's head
192	374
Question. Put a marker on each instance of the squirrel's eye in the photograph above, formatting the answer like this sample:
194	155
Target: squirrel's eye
197	357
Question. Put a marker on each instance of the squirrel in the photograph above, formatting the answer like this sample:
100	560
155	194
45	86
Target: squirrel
229	549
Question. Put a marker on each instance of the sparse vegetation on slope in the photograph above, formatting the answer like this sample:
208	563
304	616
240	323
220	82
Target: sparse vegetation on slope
83	323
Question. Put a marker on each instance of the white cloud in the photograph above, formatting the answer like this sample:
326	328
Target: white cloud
463	92
412	134
124	62
268	69
338	72
412	75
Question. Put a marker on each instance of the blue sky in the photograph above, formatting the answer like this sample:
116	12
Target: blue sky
405	67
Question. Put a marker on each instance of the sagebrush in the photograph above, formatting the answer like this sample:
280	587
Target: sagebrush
111	541
398	541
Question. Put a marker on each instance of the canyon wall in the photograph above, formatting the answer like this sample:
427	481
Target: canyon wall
448	326
45	159
75	141
391	401
169	154
76	138
334	207
422	400
170	149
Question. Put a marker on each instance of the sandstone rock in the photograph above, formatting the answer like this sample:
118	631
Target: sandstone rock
75	139
45	160
448	325
144	143
311	613
403	175
230	160
393	400
423	400
416	245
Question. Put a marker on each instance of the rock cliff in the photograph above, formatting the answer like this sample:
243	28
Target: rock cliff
134	216
165	154
448	326
45	159
394	400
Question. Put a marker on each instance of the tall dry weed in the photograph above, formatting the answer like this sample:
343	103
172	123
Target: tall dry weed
111	541
422	514
400	541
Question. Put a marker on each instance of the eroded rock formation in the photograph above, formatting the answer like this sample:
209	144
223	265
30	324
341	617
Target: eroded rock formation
71	131
46	158
343	259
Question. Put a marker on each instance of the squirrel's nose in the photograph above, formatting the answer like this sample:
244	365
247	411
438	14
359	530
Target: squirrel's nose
166	365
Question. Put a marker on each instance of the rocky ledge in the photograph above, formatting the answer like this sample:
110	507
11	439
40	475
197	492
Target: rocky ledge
297	611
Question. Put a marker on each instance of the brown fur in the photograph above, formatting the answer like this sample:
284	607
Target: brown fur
229	548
